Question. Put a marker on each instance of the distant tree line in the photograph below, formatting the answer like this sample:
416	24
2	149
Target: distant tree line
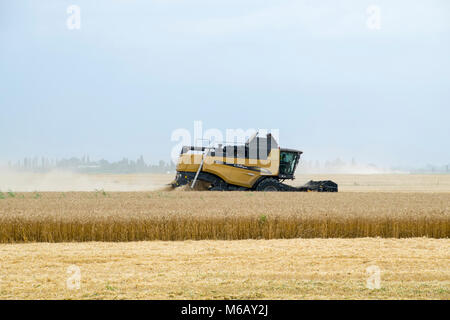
431	169
85	165
338	165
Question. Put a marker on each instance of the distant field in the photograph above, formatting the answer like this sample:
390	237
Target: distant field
249	269
384	182
66	181
197	215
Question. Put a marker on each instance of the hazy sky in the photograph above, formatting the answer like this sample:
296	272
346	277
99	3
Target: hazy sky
137	70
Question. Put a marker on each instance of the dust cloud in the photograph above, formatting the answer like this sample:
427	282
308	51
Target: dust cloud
309	168
65	181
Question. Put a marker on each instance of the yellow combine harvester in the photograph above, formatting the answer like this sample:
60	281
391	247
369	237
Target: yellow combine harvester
259	165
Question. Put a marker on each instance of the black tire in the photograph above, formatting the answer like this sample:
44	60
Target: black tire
268	185
218	185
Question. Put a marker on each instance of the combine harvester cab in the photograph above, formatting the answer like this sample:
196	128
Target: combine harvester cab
259	165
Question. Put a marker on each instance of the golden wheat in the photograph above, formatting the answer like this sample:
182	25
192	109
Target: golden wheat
136	216
414	268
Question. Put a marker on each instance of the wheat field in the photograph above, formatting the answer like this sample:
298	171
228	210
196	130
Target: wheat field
178	215
285	245
414	268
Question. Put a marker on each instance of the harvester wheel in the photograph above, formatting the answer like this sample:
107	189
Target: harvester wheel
218	185
269	184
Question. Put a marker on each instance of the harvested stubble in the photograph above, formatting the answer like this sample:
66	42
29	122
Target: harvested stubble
135	216
415	268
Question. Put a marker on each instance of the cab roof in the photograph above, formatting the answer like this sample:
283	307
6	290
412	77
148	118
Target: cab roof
291	150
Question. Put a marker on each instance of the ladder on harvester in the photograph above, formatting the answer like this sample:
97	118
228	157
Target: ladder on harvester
205	152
